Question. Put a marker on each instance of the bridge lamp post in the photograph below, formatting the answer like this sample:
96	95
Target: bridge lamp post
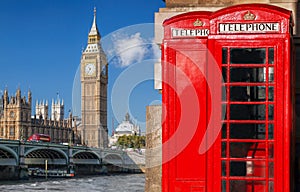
21	133
72	130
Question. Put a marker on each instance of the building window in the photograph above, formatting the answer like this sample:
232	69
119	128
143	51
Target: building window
24	116
87	89
92	93
1	131
12	131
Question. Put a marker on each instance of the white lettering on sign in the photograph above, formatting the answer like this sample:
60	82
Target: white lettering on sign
189	32
248	27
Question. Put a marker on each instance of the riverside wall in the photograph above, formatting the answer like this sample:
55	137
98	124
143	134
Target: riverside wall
153	148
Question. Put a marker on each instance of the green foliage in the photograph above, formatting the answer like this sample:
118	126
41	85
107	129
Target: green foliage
131	141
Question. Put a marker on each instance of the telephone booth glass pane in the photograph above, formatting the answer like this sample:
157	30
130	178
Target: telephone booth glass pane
224	74
248	128
224	55
271	55
247	55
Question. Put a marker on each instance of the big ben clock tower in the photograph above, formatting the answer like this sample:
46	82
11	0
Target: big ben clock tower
94	74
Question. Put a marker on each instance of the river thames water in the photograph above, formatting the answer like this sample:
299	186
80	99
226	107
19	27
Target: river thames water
113	183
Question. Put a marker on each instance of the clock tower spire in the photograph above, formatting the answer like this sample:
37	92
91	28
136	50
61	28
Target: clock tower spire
94	79
94	34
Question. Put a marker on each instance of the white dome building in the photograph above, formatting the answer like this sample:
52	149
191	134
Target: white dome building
124	128
127	127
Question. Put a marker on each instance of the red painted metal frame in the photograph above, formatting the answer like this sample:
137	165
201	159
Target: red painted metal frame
190	171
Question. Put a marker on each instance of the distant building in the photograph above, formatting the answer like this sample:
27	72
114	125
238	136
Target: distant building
57	110
124	128
41	109
16	122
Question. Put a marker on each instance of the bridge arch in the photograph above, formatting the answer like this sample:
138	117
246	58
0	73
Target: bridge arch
57	156
86	157
83	154
7	155
114	159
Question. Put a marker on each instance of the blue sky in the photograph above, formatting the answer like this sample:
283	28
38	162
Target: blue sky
41	43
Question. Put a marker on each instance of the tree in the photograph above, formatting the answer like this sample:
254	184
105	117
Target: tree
131	141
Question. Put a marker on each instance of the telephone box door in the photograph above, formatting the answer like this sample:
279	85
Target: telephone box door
252	45
252	134
184	86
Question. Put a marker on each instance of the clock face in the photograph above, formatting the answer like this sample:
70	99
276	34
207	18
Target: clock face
90	69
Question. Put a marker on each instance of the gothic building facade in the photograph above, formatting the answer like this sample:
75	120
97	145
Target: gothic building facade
16	122
94	79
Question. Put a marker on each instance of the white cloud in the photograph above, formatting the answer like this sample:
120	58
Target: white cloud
155	51
129	49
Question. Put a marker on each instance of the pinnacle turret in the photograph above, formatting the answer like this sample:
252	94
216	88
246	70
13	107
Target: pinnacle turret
29	97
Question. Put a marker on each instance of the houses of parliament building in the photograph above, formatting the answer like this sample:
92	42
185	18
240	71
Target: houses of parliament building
16	122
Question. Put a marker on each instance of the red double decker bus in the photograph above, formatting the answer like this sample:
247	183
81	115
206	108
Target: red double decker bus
39	137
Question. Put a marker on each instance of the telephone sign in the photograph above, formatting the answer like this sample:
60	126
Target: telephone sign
248	27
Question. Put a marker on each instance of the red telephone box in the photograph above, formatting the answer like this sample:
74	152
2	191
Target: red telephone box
253	150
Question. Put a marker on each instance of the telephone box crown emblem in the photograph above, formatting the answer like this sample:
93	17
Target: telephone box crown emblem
249	16
198	23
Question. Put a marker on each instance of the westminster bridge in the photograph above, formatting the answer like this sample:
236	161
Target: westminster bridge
17	156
